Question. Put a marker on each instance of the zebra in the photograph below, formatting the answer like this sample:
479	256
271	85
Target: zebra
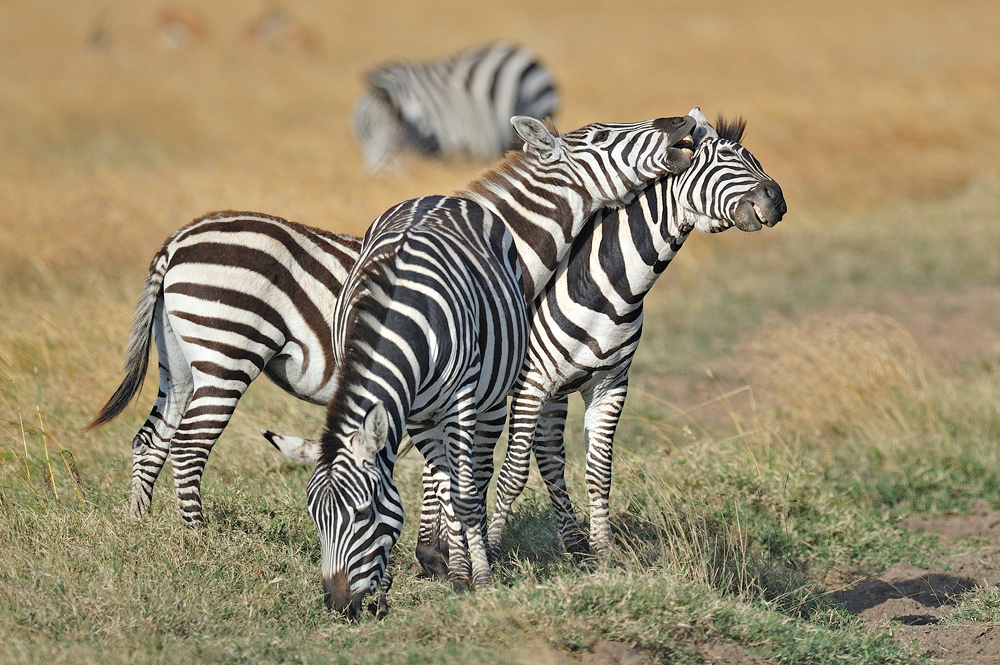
585	328
228	296
460	104
431	328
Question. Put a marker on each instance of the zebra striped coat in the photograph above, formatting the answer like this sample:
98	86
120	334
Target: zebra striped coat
585	329
431	330
461	104
229	296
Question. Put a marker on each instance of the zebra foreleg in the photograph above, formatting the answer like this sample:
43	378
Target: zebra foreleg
550	452
600	422
432	534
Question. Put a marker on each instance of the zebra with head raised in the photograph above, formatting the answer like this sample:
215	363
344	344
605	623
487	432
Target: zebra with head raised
430	332
585	328
229	296
461	104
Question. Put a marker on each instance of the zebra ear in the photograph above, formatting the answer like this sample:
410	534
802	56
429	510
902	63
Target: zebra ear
703	130
374	431
537	137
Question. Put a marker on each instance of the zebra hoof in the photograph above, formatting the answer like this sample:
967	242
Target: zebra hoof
432	561
379	608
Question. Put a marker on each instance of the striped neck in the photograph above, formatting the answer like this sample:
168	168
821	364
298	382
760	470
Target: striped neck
544	210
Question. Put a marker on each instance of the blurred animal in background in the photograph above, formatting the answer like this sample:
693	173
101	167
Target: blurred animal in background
461	105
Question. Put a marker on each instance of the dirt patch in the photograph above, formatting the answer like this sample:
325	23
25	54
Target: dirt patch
729	654
603	652
608	652
981	521
912	602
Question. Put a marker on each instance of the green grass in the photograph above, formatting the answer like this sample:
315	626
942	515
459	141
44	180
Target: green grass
725	528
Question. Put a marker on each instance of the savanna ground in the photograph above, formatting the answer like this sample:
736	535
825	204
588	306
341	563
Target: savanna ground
808	467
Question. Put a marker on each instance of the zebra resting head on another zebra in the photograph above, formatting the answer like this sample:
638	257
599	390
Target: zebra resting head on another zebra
431	329
457	105
585	328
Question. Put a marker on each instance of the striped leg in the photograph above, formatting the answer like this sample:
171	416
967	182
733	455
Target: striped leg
204	420
550	453
151	444
469	563
600	421
513	476
489	427
432	533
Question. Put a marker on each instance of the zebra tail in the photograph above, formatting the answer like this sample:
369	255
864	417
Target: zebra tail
140	338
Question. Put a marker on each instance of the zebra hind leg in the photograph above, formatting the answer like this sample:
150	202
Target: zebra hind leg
151	444
203	423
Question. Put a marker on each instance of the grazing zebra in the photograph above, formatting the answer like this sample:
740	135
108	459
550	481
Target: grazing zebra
585	328
227	297
462	104
430	332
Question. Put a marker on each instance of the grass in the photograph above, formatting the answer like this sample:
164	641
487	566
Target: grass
784	414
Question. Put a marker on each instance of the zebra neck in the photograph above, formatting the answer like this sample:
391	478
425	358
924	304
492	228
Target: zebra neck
543	219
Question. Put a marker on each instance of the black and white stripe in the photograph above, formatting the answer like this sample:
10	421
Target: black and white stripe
585	329
430	333
229	296
457	105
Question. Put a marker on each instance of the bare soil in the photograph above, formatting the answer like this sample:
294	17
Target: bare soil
913	603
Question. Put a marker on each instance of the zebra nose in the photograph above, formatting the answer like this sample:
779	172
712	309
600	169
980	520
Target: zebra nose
337	592
772	191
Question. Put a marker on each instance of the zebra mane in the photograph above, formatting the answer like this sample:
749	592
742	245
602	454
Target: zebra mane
730	129
514	162
369	301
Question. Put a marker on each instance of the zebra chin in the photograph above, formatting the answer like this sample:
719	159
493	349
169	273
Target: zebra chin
764	205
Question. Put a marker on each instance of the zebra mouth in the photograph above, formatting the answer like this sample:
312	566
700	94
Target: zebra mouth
760	215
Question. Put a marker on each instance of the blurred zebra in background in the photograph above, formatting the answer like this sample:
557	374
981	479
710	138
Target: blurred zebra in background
585	328
459	105
229	296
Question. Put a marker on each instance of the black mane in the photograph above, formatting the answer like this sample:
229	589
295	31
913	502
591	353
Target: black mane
377	284
730	130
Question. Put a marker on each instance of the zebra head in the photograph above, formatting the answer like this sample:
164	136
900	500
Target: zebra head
357	512
726	185
607	162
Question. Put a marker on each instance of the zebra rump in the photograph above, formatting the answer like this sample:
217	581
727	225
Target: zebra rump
458	105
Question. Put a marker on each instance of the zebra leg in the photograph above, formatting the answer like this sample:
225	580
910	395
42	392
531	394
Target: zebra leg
489	427
467	561
151	444
600	421
432	534
212	405
550	453
513	476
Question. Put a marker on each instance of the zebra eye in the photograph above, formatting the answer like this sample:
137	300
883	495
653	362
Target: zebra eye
363	513
601	136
